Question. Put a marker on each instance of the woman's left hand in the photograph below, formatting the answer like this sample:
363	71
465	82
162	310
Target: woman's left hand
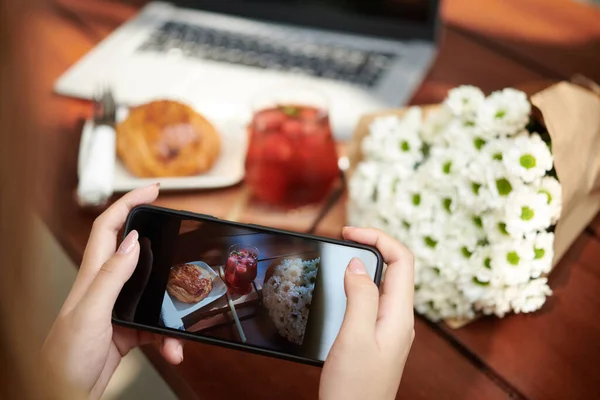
83	346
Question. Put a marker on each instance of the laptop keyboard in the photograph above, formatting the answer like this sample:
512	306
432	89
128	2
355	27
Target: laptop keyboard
363	68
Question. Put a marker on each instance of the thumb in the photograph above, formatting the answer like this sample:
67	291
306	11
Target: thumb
363	300
104	290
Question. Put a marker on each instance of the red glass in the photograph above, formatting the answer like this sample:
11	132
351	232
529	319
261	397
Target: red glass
291	159
241	267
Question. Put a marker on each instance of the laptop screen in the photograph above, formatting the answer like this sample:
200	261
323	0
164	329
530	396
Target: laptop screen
397	19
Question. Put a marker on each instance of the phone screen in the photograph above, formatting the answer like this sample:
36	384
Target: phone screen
238	284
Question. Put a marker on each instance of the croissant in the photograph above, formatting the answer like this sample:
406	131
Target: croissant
166	138
188	283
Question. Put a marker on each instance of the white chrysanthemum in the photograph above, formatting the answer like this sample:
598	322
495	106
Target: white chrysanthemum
528	157
491	182
529	296
442	299
463	137
494	150
404	149
511	261
388	183
412	119
504	113
424	241
464	101
373	144
480	264
466	228
446	162
288	294
395	139
435	123
495	183
383	126
413	202
552	189
494	225
526	211
468	195
438	172
543	247
476	283
363	183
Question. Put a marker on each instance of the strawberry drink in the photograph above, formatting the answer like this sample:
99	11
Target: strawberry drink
241	267
291	159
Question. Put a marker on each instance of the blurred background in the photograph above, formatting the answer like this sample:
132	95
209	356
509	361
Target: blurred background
245	110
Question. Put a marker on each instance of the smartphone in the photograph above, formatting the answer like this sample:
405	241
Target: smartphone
241	286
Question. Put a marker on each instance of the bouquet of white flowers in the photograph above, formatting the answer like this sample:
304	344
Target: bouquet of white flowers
471	189
287	295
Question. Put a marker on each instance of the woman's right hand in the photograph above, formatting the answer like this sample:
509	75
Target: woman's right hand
367	358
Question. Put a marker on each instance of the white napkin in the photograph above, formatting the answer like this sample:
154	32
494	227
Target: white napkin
168	314
96	164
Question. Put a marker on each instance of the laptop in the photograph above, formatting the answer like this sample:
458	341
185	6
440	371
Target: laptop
362	55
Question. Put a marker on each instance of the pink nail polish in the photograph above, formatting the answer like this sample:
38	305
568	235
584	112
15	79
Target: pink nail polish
357	267
128	243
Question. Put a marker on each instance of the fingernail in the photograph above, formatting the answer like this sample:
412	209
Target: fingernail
357	267
129	243
348	227
152	185
180	353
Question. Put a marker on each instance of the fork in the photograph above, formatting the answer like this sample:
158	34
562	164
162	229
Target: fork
98	152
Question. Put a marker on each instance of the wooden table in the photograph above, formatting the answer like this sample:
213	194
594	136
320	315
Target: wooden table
553	354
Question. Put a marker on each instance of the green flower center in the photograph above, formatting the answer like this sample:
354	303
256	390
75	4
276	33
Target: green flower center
527	213
500	114
487	263
478	143
539	253
469	123
478	222
406	224
497	156
430	242
502	228
527	161
405	146
416	199
466	253
480	283
547	193
513	258
504	187
447	203
475	187
446	167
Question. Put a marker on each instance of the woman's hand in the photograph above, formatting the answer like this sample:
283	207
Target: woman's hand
83	347
367	359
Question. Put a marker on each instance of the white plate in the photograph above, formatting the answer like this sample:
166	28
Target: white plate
175	310
227	170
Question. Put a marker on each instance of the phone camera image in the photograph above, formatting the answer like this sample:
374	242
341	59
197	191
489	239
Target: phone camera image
238	284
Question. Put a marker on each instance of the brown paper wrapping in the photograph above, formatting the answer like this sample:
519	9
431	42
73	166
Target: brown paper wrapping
572	116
